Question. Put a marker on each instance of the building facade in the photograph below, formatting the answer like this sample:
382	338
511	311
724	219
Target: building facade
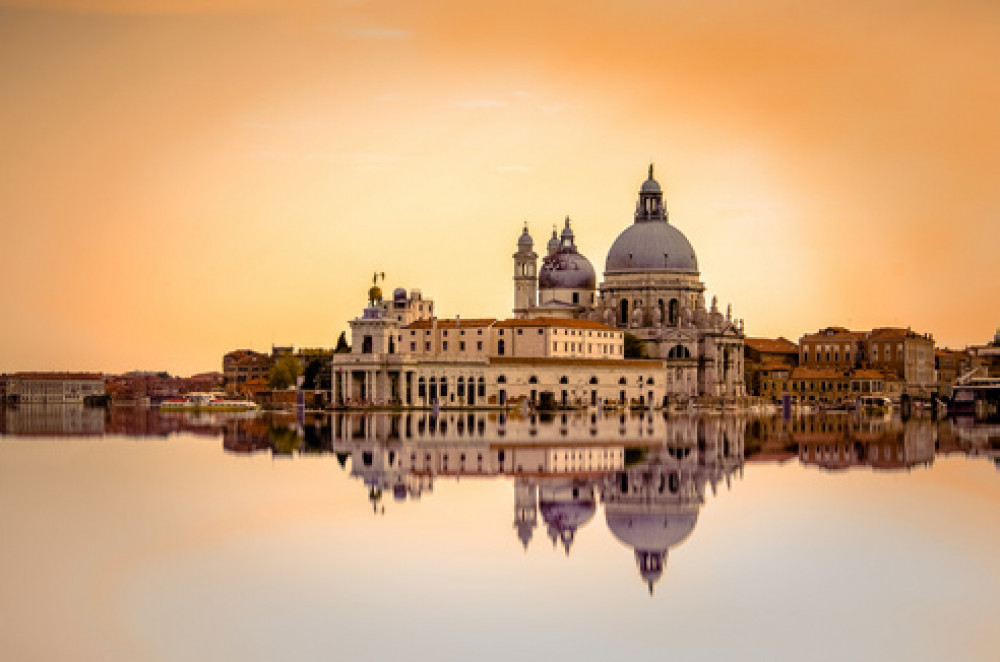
566	340
53	387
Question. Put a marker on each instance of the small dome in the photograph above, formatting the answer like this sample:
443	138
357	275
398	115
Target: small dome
525	241
566	271
553	244
567	237
650	185
651	246
399	294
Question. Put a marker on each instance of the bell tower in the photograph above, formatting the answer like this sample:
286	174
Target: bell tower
525	274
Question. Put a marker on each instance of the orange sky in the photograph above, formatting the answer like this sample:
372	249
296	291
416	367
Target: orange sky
178	179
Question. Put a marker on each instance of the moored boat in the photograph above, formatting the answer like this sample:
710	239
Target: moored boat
206	402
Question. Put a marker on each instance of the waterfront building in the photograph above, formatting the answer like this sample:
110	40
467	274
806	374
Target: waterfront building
904	359
767	358
988	355
53	387
566	338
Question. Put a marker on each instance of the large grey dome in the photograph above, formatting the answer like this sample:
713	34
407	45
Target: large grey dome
566	270
651	528
651	246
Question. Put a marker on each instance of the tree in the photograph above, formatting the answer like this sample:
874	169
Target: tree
310	376
634	348
283	373
342	346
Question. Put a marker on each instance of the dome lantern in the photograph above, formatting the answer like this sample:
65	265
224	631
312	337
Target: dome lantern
651	243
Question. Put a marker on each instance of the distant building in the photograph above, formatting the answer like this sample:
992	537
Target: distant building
905	359
243	365
989	355
53	387
766	359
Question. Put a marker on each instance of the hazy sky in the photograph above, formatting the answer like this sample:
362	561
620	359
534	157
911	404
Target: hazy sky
180	178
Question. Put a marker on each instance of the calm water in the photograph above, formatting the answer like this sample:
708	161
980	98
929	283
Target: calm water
129	535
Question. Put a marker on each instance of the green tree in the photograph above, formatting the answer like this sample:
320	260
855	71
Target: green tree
634	348
283	373
310	376
342	346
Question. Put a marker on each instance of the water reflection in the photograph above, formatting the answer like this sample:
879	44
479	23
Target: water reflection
649	473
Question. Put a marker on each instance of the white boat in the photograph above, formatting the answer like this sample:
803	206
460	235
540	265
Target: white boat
206	402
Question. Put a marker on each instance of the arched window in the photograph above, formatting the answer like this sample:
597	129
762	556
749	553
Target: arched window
673	314
679	352
563	380
623	313
593	380
622	381
533	380
501	380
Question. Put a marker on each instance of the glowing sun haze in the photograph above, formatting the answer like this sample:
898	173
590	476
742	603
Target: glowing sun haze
178	179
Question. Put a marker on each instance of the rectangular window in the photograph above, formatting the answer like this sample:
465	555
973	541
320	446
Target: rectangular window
444	345
520	332
540	332
479	345
555	347
461	346
413	346
427	347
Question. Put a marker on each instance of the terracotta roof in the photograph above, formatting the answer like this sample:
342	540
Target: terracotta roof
774	365
56	376
772	345
652	364
452	323
889	332
838	334
555	322
951	353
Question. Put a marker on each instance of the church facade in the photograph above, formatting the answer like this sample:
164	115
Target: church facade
565	344
651	289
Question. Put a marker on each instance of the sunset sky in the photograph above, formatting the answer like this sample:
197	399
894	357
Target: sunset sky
180	178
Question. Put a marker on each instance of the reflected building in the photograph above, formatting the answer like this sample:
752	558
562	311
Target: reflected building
653	506
650	474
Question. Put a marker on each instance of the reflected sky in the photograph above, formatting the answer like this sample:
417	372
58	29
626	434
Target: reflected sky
365	536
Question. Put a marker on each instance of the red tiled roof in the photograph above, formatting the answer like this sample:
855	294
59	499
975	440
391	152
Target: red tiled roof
889	332
56	376
652	364
772	345
452	323
838	334
555	322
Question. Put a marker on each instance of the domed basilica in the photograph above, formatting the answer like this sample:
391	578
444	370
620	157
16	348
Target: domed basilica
651	288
